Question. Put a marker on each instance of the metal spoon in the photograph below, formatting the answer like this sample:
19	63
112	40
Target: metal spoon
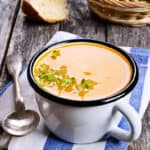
4	138
20	122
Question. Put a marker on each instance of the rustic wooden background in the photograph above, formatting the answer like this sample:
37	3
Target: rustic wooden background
19	34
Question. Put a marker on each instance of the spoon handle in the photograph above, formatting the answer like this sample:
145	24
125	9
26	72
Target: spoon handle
14	66
19	102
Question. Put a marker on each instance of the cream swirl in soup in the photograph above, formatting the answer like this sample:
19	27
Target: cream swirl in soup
82	71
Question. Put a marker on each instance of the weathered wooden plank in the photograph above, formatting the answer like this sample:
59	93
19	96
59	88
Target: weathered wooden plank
27	38
8	12
83	22
128	36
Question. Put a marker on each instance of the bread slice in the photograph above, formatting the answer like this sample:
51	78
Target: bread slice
50	11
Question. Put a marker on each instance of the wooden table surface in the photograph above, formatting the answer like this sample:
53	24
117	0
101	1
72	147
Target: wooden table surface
17	34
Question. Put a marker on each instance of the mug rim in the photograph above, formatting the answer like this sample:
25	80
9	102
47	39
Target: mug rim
95	102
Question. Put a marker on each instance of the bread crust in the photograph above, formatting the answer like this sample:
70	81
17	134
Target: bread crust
31	12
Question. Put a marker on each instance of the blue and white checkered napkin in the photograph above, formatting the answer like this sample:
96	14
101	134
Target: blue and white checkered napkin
41	139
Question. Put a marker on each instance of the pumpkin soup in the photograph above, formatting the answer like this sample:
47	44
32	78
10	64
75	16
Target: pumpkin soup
82	70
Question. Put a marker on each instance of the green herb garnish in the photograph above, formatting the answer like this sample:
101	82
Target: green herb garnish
69	82
62	71
55	53
43	68
51	77
46	76
59	82
43	75
85	85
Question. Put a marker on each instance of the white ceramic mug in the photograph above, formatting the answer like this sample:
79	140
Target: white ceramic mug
87	121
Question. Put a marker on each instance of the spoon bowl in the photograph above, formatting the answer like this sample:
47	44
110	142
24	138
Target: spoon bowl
21	123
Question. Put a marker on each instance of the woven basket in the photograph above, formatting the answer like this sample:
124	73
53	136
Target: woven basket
128	12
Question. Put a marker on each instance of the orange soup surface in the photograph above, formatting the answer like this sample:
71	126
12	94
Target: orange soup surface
82	71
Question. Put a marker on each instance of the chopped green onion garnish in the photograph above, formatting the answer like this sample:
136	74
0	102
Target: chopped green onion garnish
46	76
51	77
55	53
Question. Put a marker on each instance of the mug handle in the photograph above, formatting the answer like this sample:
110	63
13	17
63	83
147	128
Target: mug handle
134	121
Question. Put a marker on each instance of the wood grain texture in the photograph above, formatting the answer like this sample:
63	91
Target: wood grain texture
27	38
82	22
8	11
128	36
